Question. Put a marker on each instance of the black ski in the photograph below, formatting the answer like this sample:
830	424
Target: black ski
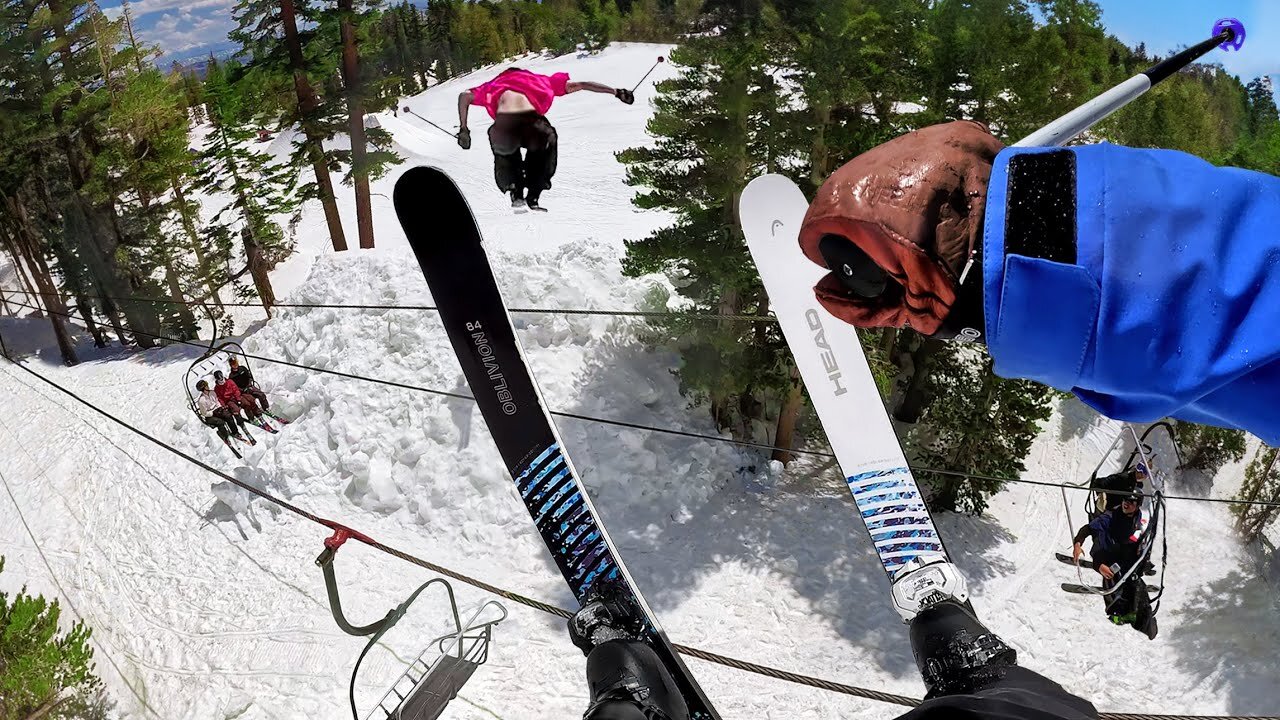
443	234
1088	564
1075	589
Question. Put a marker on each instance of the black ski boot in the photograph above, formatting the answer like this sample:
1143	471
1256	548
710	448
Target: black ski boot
955	652
533	203
625	677
517	200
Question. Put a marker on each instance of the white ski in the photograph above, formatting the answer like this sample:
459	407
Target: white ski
835	371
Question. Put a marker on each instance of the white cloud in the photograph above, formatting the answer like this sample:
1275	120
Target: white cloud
184	30
143	8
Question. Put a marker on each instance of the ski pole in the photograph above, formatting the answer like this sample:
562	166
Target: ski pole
446	132
1228	33
655	66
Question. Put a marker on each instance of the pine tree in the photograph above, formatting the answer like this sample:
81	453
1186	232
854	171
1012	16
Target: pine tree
566	27
1262	104
1208	448
258	190
57	71
362	91
147	145
477	39
849	56
44	672
643	23
282	41
716	124
1261	484
601	21
977	423
441	17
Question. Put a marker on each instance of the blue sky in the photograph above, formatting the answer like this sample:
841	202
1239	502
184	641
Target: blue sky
1166	25
182	28
187	28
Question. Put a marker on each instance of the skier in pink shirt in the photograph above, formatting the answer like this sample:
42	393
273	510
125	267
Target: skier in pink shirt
518	100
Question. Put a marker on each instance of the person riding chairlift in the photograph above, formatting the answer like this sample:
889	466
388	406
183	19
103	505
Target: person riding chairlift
214	414
243	379
232	399
1116	487
1117	547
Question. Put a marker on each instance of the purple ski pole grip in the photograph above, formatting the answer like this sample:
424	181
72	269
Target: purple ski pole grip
1236	41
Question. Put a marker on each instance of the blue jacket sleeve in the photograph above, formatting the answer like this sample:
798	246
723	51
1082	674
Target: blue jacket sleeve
1171	305
1100	527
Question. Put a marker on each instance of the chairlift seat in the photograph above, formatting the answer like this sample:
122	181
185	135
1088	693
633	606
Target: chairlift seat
441	684
434	678
215	358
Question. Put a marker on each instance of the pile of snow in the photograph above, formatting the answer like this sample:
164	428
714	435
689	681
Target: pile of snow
206	602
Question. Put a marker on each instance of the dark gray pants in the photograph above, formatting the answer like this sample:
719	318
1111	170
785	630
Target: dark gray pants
531	132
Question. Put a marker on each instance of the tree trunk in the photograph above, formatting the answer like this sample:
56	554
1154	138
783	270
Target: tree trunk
915	397
57	311
819	153
185	316
308	103
86	313
47	706
5	303
887	340
113	316
140	315
189	225
24	280
355	113
784	437
259	269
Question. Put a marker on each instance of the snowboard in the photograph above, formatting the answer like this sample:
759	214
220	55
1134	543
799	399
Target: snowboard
1088	564
834	369
446	240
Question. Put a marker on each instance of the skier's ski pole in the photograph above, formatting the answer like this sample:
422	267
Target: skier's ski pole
1228	33
446	132
655	66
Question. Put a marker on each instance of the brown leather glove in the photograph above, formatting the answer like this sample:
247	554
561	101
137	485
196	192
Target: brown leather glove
912	209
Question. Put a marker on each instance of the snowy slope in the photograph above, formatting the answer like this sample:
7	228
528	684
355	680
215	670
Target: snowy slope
207	605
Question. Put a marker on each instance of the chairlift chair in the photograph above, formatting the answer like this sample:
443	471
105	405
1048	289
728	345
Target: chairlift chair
215	358
438	673
1142	451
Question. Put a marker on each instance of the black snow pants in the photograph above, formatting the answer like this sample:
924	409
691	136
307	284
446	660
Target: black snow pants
1132	605
528	130
1019	694
254	392
222	422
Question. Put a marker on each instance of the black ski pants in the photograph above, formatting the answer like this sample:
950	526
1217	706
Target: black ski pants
1018	694
617	668
256	393
222	422
530	131
1131	598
